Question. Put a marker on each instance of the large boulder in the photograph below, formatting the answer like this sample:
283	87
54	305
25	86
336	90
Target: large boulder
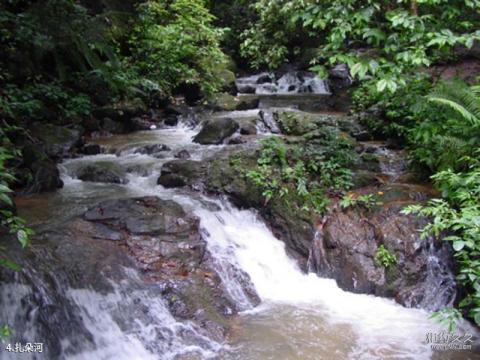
43	174
57	141
45	177
181	172
215	131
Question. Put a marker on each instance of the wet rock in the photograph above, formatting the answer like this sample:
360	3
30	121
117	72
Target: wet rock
152	149
346	247
215	131
248	128
248	103
103	173
57	141
339	77
227	102
181	172
236	140
141	123
182	154
114	127
171	181
40	172
270	121
264	78
46	177
92	149
298	123
166	243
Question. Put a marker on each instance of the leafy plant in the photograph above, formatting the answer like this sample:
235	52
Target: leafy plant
367	201
448	317
5	333
384	257
303	173
8	219
451	131
456	219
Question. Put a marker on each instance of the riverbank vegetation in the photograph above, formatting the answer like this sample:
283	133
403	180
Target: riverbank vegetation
62	61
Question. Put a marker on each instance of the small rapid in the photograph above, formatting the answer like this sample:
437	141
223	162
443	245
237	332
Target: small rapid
301	316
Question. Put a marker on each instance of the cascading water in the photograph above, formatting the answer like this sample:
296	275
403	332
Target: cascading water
293	82
301	316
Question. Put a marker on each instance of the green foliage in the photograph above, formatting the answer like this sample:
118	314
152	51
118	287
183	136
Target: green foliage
367	201
8	219
396	114
38	101
385	258
5	333
303	172
378	39
448	317
456	217
175	42
450	128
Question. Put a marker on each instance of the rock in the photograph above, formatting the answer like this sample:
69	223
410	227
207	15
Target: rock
227	102
41	173
92	149
264	78
178	173
339	77
141	123
171	181
248	128
101	135
294	123
191	91
114	127
103	173
270	121
346	249
143	252
57	141
236	140
46	177
215	131
152	149
122	111
182	154
228	80
248	103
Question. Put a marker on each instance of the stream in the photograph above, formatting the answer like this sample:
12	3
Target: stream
300	316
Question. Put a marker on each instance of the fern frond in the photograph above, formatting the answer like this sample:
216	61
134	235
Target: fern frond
460	99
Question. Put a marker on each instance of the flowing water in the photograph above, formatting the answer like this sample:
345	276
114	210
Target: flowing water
301	316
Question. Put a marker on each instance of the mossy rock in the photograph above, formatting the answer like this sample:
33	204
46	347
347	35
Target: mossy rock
57	140
297	123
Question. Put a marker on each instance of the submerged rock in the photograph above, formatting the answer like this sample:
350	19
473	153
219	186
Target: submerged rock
152	149
216	130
